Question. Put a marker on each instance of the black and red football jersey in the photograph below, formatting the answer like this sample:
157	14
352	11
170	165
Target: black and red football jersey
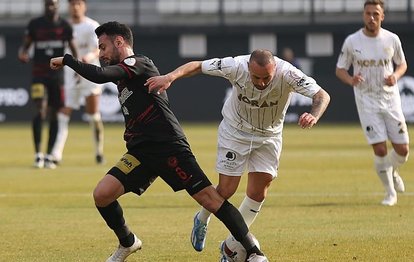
49	40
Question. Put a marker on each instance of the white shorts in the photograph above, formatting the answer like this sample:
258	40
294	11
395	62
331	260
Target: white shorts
237	149
77	88
382	126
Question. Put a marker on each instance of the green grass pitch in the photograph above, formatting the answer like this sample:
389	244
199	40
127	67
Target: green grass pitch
324	206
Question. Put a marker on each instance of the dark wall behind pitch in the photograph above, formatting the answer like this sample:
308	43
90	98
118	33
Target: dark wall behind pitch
198	98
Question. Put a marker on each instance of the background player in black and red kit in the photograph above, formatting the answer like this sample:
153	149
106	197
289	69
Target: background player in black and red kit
49	34
156	144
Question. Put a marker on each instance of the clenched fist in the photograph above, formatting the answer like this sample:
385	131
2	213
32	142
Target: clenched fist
56	63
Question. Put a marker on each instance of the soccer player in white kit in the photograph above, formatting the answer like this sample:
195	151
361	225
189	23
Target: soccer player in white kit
250	133
78	90
372	51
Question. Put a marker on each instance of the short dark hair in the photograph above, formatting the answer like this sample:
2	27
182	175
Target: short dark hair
374	2
114	29
262	57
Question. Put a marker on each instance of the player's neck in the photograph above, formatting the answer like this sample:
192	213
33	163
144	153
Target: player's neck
52	17
126	52
77	19
371	33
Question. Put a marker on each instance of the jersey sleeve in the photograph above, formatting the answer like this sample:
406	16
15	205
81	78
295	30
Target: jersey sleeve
301	83
223	67
345	57
94	73
398	57
30	29
139	65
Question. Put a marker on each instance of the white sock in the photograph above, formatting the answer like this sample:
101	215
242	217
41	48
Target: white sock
39	155
249	210
204	215
62	135
95	122
384	171
396	160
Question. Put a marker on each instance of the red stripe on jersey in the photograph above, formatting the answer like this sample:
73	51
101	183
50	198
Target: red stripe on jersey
126	70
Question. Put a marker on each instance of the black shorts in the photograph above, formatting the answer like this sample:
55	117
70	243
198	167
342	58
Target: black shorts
172	161
50	88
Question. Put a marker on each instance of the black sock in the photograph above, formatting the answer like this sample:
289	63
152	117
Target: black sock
114	218
128	240
53	130
234	221
37	131
253	250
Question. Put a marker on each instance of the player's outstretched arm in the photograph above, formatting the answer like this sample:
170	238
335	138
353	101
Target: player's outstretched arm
163	82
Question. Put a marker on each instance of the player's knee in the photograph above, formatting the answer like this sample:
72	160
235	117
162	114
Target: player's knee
226	191
101	197
404	152
226	194
381	152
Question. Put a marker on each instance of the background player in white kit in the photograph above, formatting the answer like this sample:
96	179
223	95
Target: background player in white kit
251	131
78	90
372	51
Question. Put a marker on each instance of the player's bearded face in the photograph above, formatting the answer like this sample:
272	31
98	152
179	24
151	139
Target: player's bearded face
373	17
108	53
115	57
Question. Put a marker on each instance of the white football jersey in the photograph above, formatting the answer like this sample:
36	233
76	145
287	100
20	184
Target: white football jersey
76	87
373	58
85	38
259	111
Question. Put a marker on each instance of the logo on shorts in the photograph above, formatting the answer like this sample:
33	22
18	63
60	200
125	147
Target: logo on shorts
403	128
231	156
370	131
172	162
127	163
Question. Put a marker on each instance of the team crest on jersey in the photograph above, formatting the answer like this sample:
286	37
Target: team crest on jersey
389	51
130	61
299	80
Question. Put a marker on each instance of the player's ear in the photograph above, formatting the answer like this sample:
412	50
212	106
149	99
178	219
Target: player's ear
119	41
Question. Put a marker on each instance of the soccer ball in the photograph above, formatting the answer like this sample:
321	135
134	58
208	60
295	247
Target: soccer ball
234	251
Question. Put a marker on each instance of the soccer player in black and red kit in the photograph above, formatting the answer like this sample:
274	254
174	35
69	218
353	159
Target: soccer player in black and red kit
49	34
156	144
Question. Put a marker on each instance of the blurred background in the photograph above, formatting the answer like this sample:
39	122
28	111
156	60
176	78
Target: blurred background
172	32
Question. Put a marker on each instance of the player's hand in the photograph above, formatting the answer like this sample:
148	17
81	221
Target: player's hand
158	83
56	63
307	120
391	80
88	58
23	57
357	79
